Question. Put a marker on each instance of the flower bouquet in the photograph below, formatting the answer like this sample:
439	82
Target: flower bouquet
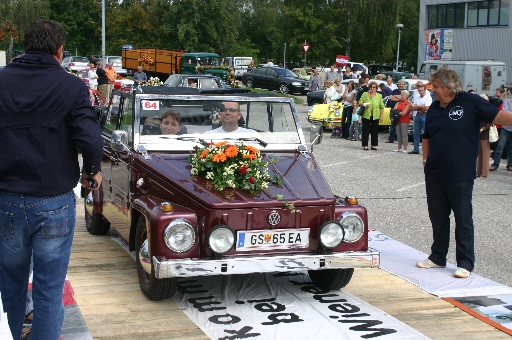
154	81
486	78
146	61
231	166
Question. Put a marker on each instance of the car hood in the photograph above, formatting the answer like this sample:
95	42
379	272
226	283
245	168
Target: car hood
303	182
328	112
295	79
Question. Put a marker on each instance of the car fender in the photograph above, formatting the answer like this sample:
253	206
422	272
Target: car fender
157	220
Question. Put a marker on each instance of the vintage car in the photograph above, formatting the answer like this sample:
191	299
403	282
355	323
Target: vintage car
329	115
302	73
181	224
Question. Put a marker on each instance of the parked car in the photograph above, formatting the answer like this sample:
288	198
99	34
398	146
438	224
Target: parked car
117	64
74	63
181	224
206	83
410	84
95	59
66	54
317	97
375	69
302	73
327	115
121	83
275	78
398	75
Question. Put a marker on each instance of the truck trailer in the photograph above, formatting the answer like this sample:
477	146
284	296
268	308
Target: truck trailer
482	76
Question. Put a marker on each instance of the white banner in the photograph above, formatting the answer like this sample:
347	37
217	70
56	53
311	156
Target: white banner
282	306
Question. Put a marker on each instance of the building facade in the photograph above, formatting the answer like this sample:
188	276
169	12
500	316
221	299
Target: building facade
465	30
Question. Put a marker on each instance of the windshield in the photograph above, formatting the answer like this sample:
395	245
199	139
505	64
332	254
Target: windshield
80	59
177	124
214	61
114	60
287	73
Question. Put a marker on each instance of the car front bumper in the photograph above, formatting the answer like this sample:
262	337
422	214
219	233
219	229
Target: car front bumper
246	265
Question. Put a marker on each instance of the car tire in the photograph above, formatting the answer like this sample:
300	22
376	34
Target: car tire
154	289
314	102
248	83
283	88
331	279
96	224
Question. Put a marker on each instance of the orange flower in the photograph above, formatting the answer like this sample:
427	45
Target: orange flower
231	151
251	149
219	158
251	156
203	154
221	144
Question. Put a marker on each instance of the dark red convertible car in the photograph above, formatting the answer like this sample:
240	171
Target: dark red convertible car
204	202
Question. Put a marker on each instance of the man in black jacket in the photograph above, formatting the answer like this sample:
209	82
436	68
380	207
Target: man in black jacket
45	113
102	80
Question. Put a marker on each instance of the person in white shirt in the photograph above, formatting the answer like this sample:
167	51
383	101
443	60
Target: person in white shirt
93	77
420	105
390	84
229	116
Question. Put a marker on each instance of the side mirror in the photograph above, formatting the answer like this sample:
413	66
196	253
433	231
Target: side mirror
119	141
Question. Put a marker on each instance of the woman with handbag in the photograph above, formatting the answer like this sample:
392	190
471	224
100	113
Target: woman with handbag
372	115
404	118
346	117
484	149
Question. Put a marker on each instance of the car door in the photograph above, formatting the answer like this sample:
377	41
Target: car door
258	77
271	79
121	164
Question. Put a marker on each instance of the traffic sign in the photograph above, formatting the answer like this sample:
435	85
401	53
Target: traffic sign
305	48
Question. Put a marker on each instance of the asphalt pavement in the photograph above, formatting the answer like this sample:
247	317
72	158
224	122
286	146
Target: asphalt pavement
391	186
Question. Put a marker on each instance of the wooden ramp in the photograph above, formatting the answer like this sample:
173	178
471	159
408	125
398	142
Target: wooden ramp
104	279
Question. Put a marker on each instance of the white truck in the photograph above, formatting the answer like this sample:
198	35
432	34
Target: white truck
239	64
2	58
482	76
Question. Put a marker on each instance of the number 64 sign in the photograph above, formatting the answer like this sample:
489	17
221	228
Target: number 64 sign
151	105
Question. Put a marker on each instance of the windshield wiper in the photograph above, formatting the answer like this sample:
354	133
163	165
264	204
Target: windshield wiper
261	142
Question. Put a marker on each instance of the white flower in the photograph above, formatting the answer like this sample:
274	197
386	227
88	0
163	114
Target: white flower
209	175
193	171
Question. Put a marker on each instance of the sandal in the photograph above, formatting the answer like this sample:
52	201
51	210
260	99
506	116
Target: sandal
365	148
374	148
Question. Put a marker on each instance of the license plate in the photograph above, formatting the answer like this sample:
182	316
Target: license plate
272	239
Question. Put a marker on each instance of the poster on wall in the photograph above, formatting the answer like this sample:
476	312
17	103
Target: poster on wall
438	44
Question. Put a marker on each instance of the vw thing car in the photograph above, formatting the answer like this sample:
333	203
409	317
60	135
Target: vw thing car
180	225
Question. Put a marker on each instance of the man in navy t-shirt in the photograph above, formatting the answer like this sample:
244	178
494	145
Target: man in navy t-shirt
450	150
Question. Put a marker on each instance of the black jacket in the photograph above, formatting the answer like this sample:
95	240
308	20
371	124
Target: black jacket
102	76
44	114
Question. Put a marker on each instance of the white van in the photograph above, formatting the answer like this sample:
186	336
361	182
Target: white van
482	76
239	64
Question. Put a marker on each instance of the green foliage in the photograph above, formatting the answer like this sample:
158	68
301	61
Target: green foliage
363	29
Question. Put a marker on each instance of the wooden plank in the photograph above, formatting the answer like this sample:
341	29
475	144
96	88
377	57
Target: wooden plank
103	277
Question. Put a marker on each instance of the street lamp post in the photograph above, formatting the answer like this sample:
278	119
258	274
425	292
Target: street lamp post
399	26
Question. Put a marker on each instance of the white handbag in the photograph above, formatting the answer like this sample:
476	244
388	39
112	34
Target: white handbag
493	134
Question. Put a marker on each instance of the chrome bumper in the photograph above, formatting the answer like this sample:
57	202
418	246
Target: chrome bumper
246	265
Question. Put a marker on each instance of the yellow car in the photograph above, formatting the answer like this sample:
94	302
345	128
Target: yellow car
330	115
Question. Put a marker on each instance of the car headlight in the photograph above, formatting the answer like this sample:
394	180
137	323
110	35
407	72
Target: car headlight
296	83
330	234
353	226
221	239
179	236
311	109
337	113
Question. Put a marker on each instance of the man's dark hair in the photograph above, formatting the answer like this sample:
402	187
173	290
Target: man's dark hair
45	36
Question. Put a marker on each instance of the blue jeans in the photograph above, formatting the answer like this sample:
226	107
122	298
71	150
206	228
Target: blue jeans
442	198
392	132
419	126
42	227
505	139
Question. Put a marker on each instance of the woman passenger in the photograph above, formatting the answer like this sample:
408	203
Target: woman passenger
170	123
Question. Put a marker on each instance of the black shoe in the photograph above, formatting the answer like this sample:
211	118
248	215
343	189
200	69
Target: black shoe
413	153
28	318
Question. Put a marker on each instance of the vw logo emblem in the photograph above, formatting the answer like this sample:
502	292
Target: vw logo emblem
274	218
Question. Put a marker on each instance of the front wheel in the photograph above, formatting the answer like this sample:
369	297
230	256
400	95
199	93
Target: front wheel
248	83
96	224
331	279
283	88
154	289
